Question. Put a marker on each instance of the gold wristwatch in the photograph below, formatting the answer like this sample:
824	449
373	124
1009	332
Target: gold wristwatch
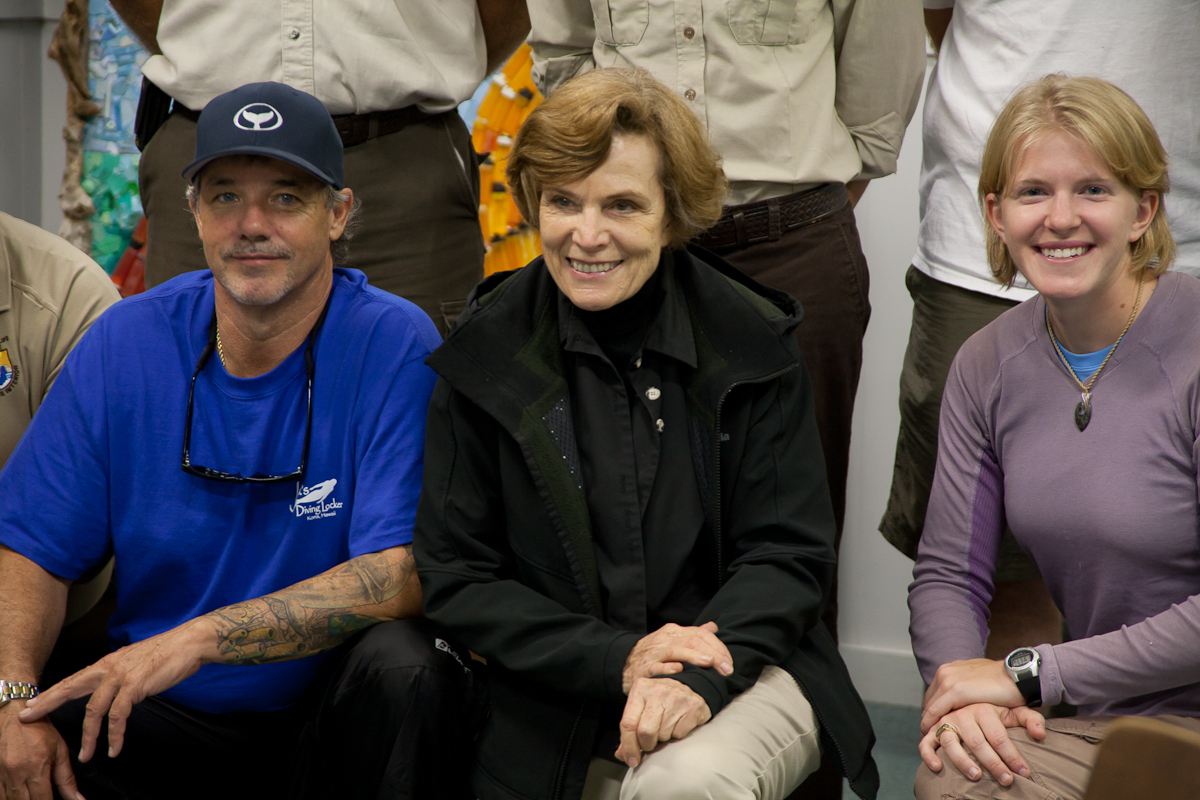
15	690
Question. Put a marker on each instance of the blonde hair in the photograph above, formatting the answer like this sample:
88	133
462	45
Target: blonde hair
568	137
1111	124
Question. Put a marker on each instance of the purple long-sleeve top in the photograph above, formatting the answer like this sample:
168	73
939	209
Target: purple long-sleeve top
1110	514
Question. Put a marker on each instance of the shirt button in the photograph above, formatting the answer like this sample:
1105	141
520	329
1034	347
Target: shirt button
689	32
690	94
653	393
658	423
294	33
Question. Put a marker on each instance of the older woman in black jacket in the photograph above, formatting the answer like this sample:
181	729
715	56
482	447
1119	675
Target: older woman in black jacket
625	509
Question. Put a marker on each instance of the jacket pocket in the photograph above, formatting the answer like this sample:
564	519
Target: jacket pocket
621	22
772	22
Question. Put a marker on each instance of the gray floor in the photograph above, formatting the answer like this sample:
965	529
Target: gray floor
897	731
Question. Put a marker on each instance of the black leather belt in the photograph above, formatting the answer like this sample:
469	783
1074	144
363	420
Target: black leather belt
353	128
767	220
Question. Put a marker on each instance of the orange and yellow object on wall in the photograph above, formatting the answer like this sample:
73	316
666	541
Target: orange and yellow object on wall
511	243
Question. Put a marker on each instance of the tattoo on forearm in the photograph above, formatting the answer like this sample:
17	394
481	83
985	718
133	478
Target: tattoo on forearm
313	615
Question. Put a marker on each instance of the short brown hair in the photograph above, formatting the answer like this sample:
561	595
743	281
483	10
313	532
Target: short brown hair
1110	123
568	137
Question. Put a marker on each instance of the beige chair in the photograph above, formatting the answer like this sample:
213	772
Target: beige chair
1146	758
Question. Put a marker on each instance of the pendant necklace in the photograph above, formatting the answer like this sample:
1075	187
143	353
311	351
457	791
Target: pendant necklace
1083	409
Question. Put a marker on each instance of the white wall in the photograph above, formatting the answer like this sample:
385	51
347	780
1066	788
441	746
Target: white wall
873	576
33	96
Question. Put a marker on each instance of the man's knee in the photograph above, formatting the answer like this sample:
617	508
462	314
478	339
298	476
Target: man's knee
405	644
405	664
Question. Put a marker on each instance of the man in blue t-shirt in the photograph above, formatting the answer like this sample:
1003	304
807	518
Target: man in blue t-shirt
293	396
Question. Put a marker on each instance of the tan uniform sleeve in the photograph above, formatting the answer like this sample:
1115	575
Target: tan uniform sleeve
88	292
562	35
53	293
880	50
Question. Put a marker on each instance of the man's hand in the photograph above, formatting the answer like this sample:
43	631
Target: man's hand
658	711
982	729
961	683
665	651
122	679
32	756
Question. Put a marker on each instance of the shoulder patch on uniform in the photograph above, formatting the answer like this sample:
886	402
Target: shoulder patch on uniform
8	373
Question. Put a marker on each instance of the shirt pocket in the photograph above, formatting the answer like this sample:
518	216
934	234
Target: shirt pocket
773	22
621	22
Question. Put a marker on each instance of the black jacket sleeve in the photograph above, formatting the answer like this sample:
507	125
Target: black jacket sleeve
470	576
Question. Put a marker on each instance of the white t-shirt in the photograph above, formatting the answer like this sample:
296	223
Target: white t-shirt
1151	49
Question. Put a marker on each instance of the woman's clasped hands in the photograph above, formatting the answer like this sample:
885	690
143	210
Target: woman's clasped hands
968	711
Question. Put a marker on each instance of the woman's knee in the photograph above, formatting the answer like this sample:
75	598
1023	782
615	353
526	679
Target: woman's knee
684	773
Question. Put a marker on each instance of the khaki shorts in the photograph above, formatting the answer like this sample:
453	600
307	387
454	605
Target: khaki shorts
944	316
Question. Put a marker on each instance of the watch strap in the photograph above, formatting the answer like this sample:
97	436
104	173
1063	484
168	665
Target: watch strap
1031	689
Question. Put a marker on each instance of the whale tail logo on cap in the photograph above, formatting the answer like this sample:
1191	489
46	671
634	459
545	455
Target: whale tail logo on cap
257	117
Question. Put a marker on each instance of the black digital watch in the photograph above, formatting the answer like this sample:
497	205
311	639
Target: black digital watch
1023	665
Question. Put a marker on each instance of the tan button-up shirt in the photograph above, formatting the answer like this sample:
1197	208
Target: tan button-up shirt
355	56
794	93
50	293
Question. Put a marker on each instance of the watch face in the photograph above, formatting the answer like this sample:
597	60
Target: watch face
1020	658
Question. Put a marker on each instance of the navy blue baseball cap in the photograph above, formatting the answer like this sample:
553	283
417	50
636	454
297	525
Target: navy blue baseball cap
270	119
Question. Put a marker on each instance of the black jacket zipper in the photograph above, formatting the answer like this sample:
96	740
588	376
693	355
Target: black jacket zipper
562	765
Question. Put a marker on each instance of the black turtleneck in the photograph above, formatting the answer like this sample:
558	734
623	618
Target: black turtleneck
621	329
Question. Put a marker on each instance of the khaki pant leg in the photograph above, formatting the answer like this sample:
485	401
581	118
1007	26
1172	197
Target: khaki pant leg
1059	767
762	745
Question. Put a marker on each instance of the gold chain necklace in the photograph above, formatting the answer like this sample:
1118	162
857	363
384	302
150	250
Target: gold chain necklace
221	348
1083	410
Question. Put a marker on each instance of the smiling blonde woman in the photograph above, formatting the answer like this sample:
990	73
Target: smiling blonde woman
1073	418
